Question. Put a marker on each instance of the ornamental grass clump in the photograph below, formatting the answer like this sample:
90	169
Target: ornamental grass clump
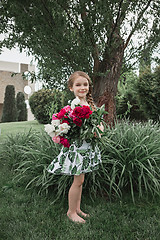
12	144
130	156
131	153
29	154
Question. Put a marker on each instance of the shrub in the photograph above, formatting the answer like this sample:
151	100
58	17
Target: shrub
9	106
127	98
130	155
149	94
43	103
21	107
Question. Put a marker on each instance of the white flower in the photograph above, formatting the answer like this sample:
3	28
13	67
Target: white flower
55	122
50	129
75	102
62	128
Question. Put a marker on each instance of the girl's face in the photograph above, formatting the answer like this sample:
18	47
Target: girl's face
80	87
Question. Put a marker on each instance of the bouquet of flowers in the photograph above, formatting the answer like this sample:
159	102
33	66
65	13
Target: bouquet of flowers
75	123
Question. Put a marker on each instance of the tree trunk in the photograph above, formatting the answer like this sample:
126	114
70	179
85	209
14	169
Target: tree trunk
105	84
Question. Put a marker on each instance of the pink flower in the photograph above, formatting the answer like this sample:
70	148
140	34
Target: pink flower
64	142
71	114
56	139
67	108
54	116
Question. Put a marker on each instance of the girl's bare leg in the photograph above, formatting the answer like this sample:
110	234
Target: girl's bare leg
74	198
79	204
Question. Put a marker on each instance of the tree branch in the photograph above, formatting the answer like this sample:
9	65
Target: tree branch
48	14
136	24
70	18
116	23
51	23
95	52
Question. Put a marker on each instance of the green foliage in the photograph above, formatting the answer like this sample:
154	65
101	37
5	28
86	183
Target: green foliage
21	107
66	35
18	127
44	103
27	215
9	106
130	155
127	104
149	94
34	217
139	97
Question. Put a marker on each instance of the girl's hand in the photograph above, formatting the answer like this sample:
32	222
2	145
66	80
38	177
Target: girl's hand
101	127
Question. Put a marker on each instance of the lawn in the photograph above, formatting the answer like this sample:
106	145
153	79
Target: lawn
16	127
25	215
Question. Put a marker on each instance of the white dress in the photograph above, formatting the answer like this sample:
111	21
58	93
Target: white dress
77	159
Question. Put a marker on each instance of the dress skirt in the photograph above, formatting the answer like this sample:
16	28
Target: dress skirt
77	159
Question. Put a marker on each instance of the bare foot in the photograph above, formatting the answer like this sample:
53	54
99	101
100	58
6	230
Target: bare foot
75	218
85	215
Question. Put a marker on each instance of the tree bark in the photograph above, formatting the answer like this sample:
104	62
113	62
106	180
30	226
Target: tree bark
105	83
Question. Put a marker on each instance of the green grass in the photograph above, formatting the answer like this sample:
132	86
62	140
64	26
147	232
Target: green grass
17	127
25	215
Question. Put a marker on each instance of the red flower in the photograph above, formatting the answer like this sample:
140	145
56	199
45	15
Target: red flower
86	112
77	111
65	121
64	142
82	112
77	121
61	114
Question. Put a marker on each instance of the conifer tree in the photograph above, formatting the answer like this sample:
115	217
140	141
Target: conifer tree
9	106
21	107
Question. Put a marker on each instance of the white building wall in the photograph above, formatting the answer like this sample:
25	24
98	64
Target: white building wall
9	66
7	69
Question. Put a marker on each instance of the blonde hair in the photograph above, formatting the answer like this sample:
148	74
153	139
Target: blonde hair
89	94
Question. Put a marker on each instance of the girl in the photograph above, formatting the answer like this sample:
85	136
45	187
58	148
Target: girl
77	160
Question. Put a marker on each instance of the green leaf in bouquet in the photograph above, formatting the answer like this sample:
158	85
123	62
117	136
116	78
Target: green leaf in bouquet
93	129
101	111
97	132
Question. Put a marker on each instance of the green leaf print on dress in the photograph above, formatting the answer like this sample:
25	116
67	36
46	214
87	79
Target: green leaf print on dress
71	148
76	160
61	160
86	163
51	167
56	159
78	143
82	151
74	170
65	149
57	171
96	158
71	156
